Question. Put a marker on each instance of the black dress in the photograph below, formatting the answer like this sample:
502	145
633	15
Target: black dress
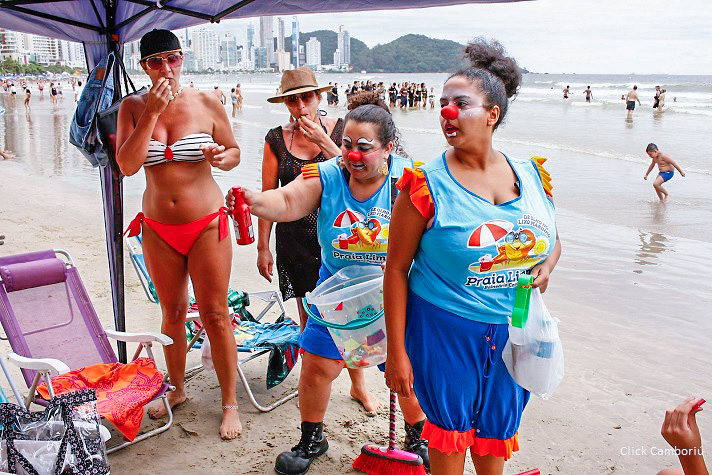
298	251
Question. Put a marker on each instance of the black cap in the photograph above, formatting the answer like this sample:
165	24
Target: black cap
158	41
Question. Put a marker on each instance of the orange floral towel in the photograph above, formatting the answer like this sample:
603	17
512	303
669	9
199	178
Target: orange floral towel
121	390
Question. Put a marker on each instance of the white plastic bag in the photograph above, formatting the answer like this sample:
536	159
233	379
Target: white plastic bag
533	354
206	355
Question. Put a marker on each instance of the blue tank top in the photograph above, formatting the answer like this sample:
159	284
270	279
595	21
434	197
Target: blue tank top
353	232
470	258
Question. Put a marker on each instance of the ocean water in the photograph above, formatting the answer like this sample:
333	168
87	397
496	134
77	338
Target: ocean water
616	235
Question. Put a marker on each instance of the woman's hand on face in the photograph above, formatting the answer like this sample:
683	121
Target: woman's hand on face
157	100
540	274
399	374
312	131
214	154
265	263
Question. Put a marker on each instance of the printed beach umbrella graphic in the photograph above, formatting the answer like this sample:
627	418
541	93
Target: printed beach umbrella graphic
487	234
347	218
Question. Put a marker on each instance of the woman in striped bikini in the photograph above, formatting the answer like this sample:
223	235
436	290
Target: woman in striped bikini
177	135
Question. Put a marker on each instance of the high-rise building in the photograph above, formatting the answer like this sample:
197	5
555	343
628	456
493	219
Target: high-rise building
284	60
206	48
314	53
228	51
250	44
261	58
336	58
302	55
280	34
295	42
344	46
266	36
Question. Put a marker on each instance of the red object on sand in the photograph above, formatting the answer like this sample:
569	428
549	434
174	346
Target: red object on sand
376	460
449	112
241	219
534	471
697	406
355	156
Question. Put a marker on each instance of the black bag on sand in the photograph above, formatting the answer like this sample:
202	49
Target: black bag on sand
63	439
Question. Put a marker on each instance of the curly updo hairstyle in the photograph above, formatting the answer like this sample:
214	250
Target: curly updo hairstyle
368	107
497	75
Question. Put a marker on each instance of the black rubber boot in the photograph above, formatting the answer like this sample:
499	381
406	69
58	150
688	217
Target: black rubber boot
310	446
414	444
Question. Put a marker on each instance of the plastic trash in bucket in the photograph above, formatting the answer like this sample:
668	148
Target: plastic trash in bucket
351	306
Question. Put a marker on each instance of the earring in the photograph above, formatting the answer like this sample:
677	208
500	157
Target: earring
383	169
340	161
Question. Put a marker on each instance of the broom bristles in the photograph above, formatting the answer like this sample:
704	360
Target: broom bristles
382	466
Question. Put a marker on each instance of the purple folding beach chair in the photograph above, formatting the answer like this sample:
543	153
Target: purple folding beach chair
52	326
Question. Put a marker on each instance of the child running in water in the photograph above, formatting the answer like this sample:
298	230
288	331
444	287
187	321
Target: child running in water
665	170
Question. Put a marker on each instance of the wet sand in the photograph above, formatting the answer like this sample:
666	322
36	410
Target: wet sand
634	304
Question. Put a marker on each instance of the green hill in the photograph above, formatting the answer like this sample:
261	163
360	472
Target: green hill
411	54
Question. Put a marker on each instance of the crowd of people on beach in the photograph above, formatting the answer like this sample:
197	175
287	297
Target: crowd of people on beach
405	95
447	299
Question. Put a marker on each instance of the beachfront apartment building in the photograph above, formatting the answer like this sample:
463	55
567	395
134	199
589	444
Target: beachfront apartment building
314	54
26	48
267	37
344	47
206	47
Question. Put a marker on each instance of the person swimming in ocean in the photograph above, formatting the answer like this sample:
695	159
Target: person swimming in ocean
589	93
566	92
666	166
630	101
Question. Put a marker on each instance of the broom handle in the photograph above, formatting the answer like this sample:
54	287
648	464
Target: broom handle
392	426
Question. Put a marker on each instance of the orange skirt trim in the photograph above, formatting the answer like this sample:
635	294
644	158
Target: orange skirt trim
545	177
310	170
449	441
498	448
414	180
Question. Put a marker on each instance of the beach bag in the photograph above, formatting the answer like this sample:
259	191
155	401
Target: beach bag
533	354
64	438
107	120
98	95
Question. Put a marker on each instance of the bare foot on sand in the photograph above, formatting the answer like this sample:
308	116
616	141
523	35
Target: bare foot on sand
158	409
231	426
364	397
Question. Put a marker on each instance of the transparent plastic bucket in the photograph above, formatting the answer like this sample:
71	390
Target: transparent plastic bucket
350	304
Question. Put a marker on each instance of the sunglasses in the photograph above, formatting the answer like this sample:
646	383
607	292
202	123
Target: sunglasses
305	96
156	62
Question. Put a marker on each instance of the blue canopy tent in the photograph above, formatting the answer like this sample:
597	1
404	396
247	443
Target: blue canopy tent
105	25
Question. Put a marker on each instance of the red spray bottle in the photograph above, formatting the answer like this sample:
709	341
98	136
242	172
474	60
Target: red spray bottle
242	219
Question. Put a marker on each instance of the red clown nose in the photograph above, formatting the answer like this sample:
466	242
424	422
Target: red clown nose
449	112
355	156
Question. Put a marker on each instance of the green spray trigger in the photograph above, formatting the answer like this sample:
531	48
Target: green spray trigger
520	312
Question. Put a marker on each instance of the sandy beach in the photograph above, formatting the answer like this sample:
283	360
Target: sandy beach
633	300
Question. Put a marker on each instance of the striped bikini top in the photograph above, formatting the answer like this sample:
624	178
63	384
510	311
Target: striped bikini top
186	149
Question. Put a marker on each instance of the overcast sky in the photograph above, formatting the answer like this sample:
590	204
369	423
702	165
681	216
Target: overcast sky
557	36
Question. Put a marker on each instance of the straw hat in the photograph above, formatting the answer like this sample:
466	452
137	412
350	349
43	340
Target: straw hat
297	81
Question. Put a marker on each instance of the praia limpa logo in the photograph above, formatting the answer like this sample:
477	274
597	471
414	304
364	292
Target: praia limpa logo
365	233
519	249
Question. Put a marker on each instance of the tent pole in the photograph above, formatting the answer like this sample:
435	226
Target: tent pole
113	197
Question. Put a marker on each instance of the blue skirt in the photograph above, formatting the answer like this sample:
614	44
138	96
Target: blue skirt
461	381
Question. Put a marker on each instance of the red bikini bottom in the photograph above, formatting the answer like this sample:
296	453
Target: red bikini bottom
180	237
